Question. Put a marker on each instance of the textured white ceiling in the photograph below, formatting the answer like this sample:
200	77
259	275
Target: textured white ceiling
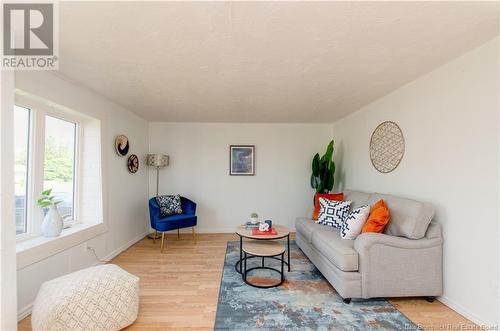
261	61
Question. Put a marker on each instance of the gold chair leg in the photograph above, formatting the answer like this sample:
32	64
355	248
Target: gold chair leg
162	239
178	235
154	238
194	234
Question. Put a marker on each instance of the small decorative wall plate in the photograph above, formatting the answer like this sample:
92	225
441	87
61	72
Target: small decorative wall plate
122	145
133	163
387	147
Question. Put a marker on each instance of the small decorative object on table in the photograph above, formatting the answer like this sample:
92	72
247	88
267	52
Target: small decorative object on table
263	227
250	225
269	222
52	224
254	218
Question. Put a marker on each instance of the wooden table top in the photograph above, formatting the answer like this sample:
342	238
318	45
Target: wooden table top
282	231
263	247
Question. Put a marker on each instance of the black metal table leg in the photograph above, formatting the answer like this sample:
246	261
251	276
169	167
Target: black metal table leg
288	244
241	251
282	267
245	269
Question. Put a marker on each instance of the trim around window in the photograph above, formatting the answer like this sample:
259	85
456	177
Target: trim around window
88	189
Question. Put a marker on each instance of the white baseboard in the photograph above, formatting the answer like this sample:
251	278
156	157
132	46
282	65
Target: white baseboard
122	248
462	311
23	313
220	230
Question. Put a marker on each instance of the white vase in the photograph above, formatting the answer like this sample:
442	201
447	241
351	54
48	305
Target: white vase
52	224
254	220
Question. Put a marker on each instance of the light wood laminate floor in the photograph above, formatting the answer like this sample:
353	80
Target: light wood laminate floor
179	288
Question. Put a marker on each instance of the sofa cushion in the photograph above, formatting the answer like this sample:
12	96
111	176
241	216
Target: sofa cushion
378	218
332	212
305	227
339	252
169	204
353	223
409	218
335	196
358	198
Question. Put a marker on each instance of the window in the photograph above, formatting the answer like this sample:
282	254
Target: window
21	163
59	164
51	141
46	150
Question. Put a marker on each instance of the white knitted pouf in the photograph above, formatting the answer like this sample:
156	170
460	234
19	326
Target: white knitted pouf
105	297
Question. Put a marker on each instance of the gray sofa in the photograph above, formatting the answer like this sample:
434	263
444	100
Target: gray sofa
406	260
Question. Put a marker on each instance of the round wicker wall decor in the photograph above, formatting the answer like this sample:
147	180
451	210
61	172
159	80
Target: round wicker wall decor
387	147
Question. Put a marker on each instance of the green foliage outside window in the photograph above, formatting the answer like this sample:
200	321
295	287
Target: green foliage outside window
58	161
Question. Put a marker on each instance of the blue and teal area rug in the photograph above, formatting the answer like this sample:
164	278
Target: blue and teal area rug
305	301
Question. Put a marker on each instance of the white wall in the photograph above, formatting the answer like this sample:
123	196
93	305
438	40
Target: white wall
199	161
8	296
450	121
125	194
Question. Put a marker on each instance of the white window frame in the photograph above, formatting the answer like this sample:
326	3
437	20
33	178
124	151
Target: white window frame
36	160
29	186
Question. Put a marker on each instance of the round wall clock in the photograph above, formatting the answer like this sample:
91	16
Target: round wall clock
133	163
387	147
122	145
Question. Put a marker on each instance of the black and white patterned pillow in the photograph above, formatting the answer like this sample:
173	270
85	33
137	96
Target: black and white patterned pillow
353	223
169	204
332	212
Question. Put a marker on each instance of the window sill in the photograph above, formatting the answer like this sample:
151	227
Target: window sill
36	249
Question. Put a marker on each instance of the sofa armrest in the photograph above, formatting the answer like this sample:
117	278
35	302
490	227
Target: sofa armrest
365	241
397	266
435	230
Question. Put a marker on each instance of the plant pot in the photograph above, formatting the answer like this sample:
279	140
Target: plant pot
52	224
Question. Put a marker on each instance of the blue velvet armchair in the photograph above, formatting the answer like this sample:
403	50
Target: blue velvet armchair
187	219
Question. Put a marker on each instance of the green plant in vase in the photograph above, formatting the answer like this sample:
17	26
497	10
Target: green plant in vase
254	218
47	199
323	171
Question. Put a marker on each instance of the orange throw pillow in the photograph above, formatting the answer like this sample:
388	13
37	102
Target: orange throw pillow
378	219
336	197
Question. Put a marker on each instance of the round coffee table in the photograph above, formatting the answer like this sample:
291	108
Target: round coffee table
243	232
263	249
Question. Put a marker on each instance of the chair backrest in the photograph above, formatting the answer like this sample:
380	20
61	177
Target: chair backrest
409	218
188	206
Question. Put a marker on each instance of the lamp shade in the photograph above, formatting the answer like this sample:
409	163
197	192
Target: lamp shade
158	160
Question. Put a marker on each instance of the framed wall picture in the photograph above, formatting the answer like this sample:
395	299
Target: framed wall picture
242	160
